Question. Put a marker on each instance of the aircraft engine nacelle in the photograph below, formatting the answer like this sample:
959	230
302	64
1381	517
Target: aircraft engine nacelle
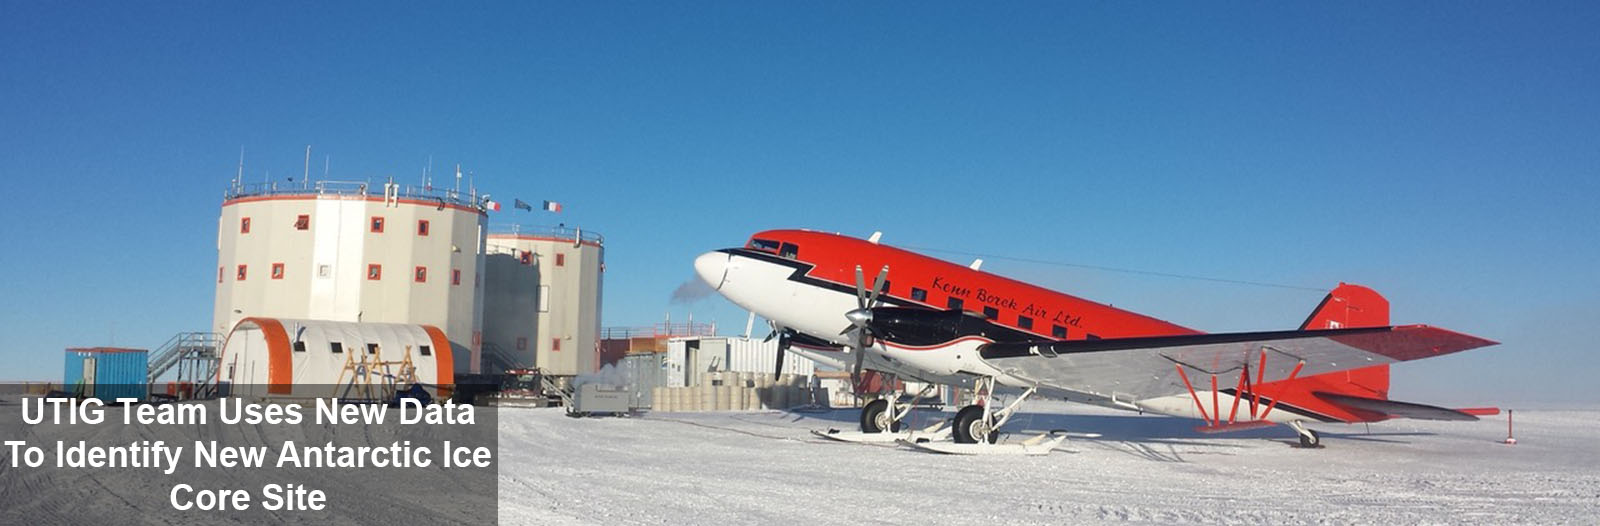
922	327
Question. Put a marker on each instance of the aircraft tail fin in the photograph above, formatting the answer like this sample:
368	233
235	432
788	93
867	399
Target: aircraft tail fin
1350	306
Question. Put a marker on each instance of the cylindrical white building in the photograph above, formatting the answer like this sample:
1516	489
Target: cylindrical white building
290	358
542	297
356	253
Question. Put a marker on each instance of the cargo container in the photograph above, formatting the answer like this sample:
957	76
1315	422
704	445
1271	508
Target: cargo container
107	373
688	359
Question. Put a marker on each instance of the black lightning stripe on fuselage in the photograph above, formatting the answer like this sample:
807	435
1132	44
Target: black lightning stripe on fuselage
801	274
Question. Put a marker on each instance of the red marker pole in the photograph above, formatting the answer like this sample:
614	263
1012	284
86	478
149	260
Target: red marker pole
1510	440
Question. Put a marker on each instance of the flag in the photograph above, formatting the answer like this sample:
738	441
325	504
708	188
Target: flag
517	203
491	205
552	206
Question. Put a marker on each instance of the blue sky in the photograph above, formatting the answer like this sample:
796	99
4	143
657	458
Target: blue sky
1444	153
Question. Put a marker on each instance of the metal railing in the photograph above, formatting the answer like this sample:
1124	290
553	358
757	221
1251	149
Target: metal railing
557	232
491	352
550	388
660	330
356	188
197	347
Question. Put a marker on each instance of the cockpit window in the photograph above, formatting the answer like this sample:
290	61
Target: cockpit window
765	245
790	250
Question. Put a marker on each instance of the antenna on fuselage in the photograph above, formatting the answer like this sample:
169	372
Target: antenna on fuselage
976	263
875	237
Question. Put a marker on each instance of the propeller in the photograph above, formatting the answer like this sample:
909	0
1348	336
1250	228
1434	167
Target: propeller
783	334
861	318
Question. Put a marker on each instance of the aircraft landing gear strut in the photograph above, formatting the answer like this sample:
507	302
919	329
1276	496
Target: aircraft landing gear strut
1308	438
887	413
980	421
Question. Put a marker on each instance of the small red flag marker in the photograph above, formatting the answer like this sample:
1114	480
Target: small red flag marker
1510	440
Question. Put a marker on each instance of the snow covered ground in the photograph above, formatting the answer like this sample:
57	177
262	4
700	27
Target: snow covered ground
766	467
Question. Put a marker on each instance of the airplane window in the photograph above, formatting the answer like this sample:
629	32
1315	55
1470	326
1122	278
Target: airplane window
1058	332
919	294
1024	322
991	313
954	303
1091	337
790	250
763	244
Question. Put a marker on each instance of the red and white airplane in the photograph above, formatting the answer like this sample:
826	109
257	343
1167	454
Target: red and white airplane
933	321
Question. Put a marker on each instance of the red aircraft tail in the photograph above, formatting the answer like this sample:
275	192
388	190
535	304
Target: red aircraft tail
1350	306
1356	395
1360	395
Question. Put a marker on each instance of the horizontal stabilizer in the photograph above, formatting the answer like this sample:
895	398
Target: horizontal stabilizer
1396	409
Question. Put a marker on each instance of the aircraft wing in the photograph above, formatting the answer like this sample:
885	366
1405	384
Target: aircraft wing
1147	367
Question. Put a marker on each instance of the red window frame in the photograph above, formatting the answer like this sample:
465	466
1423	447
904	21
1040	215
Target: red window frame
244	225
526	257
302	222
455	276
422	227
522	343
420	275
555	344
241	273
277	271
375	225
374	272
561	259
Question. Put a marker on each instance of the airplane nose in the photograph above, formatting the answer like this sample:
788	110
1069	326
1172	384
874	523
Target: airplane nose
712	267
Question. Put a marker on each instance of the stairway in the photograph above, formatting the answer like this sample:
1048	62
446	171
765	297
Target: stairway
195	353
490	353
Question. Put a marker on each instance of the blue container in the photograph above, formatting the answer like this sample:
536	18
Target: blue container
107	373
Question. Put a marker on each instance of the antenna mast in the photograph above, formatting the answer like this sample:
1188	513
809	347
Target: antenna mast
238	178
305	180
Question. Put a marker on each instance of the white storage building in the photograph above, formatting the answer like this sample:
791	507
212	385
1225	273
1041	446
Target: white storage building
689	359
298	358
